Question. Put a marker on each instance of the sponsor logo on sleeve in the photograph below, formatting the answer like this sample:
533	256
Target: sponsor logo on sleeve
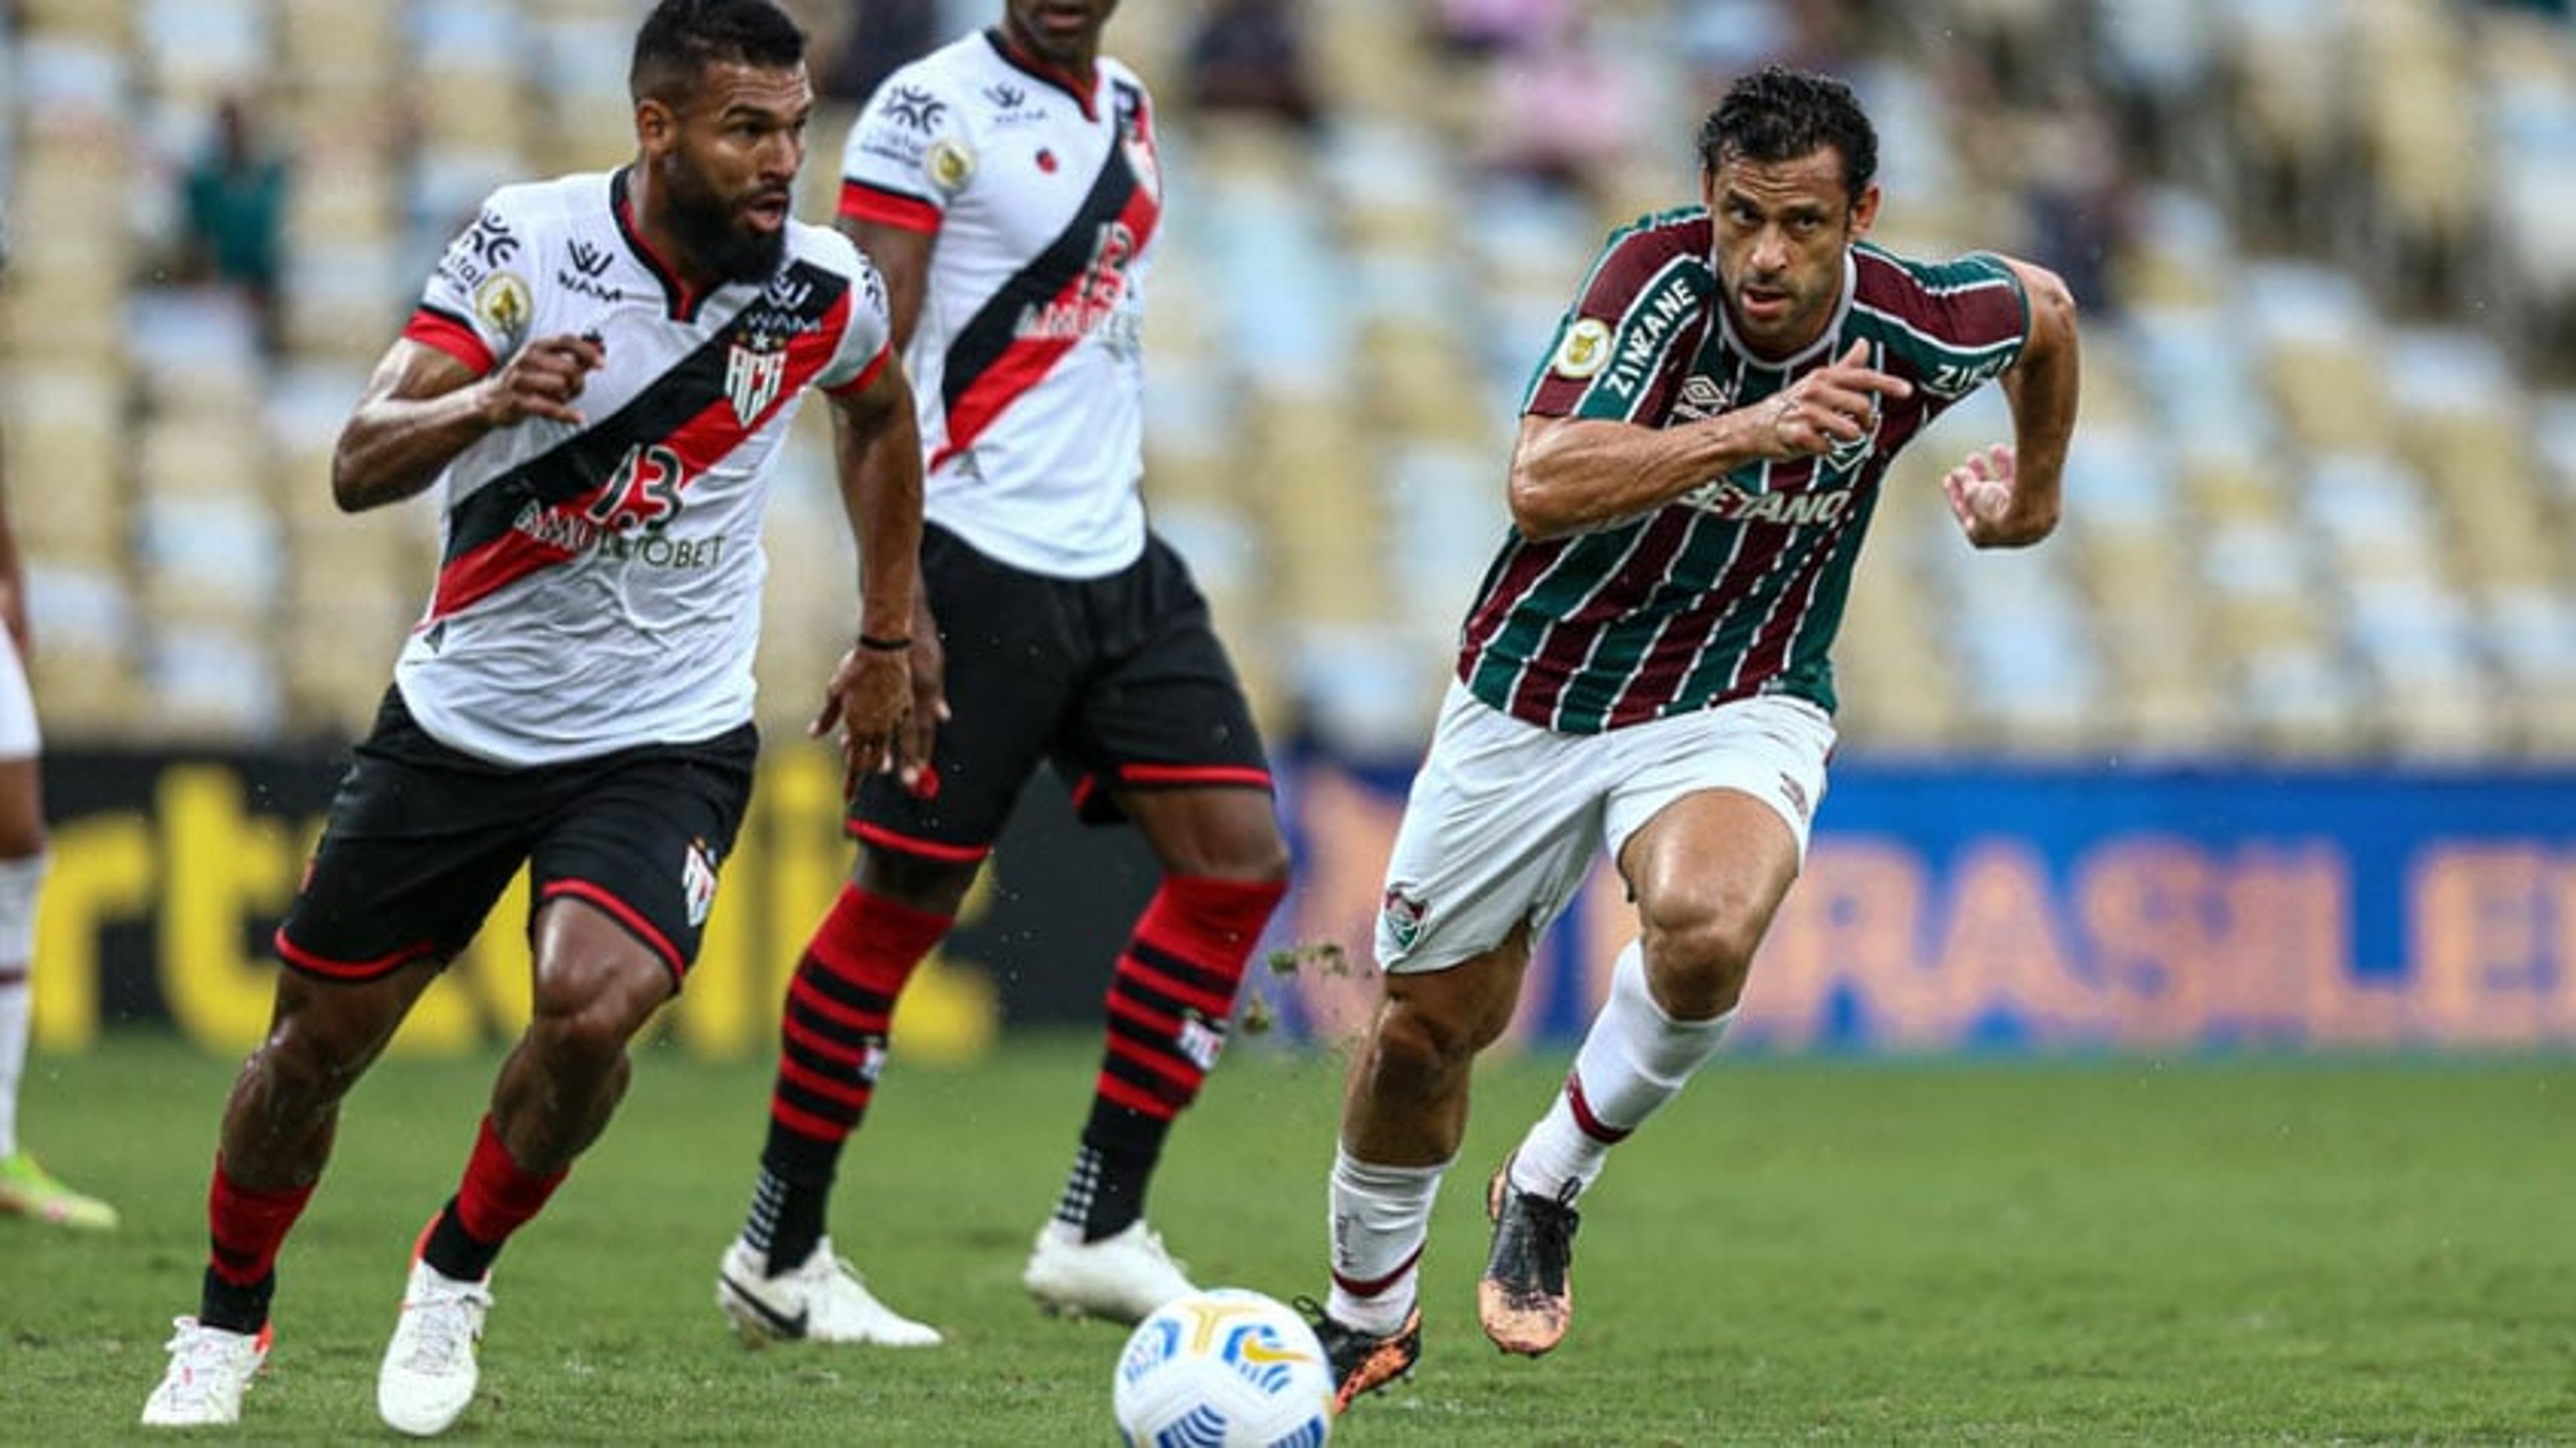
914	109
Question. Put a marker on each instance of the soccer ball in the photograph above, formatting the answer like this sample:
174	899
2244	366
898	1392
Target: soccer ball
1224	1367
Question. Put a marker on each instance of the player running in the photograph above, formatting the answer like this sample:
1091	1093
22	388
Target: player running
1645	669
1009	188
597	384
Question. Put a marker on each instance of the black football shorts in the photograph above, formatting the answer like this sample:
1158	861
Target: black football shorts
1118	681
422	839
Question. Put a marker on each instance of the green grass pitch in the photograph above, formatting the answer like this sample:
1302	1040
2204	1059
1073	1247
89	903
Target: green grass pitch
2112	1251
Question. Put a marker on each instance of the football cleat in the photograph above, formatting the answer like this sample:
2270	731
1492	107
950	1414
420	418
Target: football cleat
1121	1278
430	1367
1363	1361
209	1371
28	1190
822	1299
1526	1299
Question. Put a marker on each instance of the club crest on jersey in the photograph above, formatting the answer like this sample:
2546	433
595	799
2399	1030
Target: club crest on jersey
754	371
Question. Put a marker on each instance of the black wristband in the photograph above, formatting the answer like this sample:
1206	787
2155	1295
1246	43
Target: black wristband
884	646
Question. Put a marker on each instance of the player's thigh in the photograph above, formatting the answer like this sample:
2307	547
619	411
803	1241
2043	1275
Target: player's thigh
1498	831
639	840
1014	649
1709	821
419	843
1163	709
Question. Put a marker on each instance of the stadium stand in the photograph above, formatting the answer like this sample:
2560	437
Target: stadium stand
2323	502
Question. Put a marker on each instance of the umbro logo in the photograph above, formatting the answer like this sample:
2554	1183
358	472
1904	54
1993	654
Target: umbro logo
589	260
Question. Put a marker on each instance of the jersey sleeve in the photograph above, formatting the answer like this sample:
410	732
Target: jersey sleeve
867	336
908	156
1619	350
1960	323
478	304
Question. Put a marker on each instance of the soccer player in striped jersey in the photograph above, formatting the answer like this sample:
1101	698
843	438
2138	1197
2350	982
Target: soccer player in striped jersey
1646	668
595	389
1010	188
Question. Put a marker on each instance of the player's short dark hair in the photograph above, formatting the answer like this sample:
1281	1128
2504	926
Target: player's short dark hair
681	38
1779	114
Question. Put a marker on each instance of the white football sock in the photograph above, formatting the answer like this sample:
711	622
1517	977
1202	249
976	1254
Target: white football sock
1381	1216
19	881
1634	1059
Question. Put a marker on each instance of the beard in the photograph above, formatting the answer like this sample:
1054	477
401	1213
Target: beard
714	235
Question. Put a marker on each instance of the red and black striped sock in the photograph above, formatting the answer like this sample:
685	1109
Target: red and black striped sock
1169	1002
497	1197
244	1230
832	1042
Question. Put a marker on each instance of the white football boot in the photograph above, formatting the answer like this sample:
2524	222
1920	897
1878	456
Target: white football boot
210	1369
430	1367
821	1299
1122	1278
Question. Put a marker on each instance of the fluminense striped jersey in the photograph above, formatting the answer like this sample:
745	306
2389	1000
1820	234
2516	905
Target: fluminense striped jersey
599	585
1736	587
1044	195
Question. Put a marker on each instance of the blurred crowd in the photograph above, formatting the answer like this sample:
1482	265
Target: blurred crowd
2322	502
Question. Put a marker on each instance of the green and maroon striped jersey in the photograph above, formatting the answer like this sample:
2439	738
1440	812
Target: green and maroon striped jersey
1736	587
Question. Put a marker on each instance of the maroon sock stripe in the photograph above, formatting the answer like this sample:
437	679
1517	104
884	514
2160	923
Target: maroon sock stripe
1372	1286
1593	1126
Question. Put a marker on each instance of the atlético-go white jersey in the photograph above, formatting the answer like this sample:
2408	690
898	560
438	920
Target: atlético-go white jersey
1043	197
599	586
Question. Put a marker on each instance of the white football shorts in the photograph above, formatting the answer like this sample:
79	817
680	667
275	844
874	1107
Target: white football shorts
1505	816
18	736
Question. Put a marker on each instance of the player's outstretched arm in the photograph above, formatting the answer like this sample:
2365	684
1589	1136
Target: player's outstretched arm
885	692
2008	496
1571	474
423	407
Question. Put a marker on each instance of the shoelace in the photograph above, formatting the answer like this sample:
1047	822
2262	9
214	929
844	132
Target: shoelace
1552	1221
203	1357
445	1330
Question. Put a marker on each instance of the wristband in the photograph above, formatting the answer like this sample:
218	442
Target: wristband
875	644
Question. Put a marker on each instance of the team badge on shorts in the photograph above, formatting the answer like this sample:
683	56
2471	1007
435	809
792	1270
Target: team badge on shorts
698	882
1403	916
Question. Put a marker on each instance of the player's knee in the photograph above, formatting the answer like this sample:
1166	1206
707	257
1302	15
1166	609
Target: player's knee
1699	965
1418	1042
585	1012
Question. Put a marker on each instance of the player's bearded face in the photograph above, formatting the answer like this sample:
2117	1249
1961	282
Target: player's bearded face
728	181
716	228
1783	229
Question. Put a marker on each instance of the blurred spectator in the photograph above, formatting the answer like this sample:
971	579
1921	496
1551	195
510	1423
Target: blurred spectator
1561	111
1484	27
2074	194
883	36
234	203
1250	56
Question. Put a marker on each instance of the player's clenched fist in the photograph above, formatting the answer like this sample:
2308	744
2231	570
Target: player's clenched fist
543	380
1832	405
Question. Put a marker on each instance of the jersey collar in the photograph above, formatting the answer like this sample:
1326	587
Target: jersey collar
1053	75
681	302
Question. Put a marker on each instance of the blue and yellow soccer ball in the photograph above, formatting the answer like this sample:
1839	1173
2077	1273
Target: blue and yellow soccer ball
1224	1368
